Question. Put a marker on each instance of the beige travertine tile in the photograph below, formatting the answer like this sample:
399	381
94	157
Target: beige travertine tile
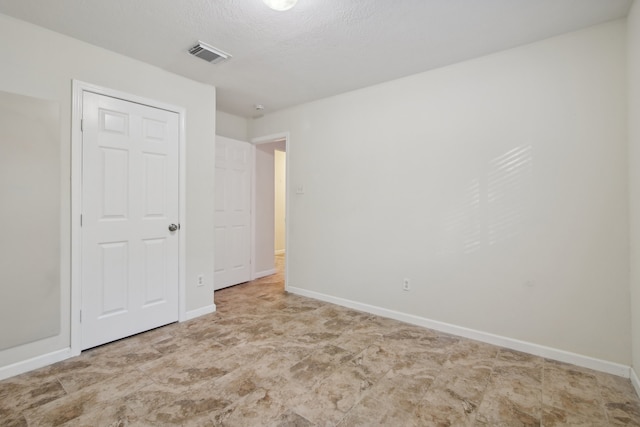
161	404
409	387
575	402
409	359
625	413
86	400
394	410
512	398
107	414
555	417
192	366
319	365
374	361
290	419
255	409
331	399
12	418
621	403
514	357
470	353
29	391
467	383
573	390
62	410
500	410
271	358
355	342
445	407
282	389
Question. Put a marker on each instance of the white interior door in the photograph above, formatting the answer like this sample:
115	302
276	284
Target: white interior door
233	212
130	258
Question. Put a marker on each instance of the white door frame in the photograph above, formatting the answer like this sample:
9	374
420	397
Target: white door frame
264	140
78	89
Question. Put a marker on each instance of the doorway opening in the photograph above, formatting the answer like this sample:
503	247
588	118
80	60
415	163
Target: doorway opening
280	208
270	207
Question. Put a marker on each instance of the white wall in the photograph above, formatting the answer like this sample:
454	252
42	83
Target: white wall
30	215
39	63
497	185
280	200
264	213
633	34
231	126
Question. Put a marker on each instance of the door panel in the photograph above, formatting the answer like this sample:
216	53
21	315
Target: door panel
155	277
155	185
114	181
233	212
130	196
114	283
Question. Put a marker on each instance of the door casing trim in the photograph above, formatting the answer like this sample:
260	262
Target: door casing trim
78	89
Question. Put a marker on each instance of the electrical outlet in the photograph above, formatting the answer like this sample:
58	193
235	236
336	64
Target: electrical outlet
201	280
406	284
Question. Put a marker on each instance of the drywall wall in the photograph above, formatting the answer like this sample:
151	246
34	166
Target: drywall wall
264	217
231	126
30	215
633	46
280	175
42	65
498	186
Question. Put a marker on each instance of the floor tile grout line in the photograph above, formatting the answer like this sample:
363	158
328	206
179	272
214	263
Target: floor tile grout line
542	388
67	392
602	401
484	393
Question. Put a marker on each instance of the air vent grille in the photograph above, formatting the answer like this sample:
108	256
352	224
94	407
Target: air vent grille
209	53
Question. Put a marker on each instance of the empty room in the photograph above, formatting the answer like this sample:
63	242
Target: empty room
320	213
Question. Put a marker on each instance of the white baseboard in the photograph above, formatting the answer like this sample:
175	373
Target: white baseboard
280	252
34	363
514	344
264	273
635	380
199	312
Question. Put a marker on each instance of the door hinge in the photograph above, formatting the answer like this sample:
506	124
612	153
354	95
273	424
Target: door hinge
81	125
80	316
80	220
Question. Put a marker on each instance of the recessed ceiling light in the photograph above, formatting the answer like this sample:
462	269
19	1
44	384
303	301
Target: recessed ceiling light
259	107
280	5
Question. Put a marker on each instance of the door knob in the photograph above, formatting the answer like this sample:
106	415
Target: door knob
173	227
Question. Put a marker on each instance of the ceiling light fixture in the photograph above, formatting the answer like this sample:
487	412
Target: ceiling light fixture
280	5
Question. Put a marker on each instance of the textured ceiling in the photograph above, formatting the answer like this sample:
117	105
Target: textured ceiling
317	49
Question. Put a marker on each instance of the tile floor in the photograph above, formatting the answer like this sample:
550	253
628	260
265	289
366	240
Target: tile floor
275	359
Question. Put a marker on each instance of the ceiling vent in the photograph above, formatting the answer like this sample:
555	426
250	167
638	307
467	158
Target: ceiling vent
209	53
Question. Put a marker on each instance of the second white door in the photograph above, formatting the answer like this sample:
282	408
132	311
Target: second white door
232	212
